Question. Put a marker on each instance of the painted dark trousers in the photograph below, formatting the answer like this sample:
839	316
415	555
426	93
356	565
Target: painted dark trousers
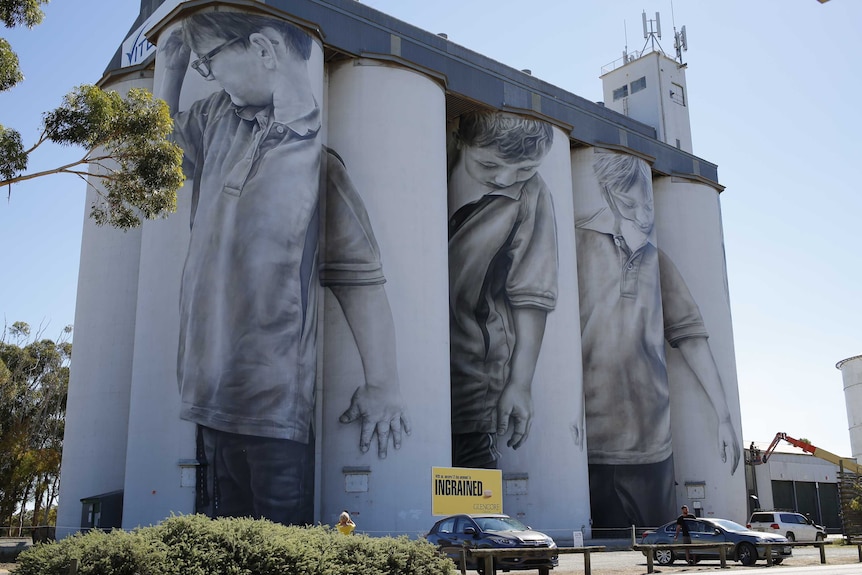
260	477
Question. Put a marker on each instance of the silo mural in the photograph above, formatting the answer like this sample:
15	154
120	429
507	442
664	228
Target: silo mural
703	387
387	123
349	180
264	191
632	300
547	474
502	279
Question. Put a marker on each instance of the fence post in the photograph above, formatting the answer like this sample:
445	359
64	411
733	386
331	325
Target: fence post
634	536
73	567
489	565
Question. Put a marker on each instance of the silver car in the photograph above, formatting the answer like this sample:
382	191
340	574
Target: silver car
748	545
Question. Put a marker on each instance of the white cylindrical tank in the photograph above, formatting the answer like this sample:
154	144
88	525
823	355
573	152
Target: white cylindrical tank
97	412
387	123
851	373
532	487
689	230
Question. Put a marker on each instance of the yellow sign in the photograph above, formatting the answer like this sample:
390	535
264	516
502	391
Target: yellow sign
464	490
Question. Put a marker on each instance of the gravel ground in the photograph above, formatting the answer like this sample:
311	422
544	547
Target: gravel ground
634	562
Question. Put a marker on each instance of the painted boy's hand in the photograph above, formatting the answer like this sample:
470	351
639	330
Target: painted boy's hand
379	410
516	402
174	52
727	440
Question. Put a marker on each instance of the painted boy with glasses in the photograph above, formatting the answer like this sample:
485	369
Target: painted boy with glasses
264	188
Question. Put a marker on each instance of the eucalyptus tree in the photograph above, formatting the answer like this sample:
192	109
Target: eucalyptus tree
127	157
34	381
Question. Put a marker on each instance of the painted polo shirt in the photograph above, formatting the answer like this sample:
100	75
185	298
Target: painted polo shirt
248	302
631	302
502	255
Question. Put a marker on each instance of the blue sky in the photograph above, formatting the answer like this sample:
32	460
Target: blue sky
773	92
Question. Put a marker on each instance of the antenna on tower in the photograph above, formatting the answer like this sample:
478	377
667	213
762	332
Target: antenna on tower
652	31
626	49
680	42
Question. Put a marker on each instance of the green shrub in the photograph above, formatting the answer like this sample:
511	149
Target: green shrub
98	553
197	545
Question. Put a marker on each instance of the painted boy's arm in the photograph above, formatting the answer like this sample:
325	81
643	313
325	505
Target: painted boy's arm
697	354
377	404
516	401
174	53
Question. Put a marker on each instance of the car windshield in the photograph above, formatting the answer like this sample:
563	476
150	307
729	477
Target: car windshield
729	525
499	524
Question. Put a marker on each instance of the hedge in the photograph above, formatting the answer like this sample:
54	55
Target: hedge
198	545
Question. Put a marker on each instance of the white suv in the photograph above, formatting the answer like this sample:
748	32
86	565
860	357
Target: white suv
794	526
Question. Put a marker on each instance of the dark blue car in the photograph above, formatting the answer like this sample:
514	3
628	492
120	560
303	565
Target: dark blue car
453	534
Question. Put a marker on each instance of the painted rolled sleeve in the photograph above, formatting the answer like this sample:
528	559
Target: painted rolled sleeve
532	278
682	317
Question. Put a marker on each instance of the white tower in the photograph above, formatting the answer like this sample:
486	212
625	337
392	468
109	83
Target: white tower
650	87
851	373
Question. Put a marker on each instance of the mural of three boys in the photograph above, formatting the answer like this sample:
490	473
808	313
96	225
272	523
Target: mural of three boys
263	189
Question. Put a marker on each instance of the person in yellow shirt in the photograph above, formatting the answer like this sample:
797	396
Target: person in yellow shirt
345	524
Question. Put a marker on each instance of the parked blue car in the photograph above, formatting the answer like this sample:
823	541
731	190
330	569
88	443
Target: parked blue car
748	545
455	533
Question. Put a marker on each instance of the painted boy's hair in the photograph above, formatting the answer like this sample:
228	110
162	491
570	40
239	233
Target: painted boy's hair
229	25
616	171
515	138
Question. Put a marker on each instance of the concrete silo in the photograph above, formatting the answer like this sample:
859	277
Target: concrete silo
851	372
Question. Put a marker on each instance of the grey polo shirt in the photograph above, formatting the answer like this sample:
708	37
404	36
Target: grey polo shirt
630	303
248	303
502	255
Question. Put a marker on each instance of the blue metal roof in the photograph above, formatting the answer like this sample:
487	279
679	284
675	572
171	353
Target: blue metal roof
354	29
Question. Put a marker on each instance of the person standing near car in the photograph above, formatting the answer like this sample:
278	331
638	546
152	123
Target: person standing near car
682	526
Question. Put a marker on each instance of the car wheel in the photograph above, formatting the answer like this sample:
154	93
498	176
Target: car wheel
663	556
746	554
819	537
790	536
777	561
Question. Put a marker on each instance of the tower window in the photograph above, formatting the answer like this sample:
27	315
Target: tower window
677	94
639	84
621	92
